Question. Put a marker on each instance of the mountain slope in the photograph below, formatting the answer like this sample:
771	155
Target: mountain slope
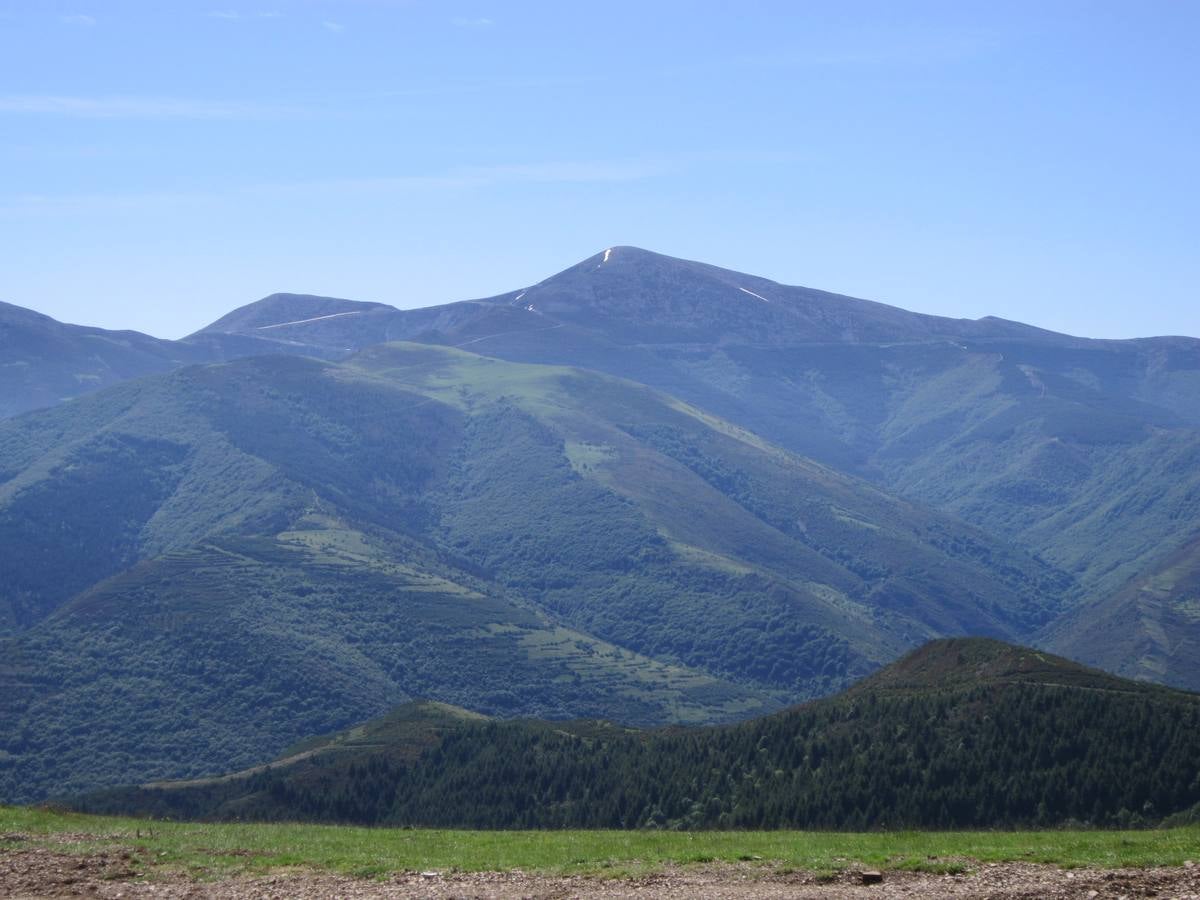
1149	629
1023	432
44	362
609	551
286	319
224	653
1086	453
630	295
961	733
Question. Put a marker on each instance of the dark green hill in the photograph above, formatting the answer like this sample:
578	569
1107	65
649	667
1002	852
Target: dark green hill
960	663
961	733
222	654
207	565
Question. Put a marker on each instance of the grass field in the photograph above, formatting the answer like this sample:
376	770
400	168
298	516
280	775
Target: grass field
207	851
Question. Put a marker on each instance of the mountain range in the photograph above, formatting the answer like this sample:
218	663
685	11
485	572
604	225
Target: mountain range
645	489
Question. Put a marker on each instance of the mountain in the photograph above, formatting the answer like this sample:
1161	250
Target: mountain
44	362
1023	432
626	295
344	325
202	567
966	733
1085	453
1026	433
685	493
1149	629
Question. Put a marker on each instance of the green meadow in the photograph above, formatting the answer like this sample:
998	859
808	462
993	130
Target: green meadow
213	851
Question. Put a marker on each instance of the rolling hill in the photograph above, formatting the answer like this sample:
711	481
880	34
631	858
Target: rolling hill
960	733
225	558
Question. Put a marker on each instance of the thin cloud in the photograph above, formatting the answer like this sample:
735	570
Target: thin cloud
231	15
333	26
78	19
136	108
467	177
569	172
458	179
884	47
496	85
466	22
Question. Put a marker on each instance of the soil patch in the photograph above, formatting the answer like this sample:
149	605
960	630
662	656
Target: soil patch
45	872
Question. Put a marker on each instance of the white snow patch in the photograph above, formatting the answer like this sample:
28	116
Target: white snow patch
607	254
505	333
752	294
520	295
313	319
529	308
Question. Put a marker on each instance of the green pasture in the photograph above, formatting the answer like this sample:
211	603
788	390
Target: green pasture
208	851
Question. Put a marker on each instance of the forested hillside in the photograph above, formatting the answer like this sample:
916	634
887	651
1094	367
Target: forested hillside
960	734
208	565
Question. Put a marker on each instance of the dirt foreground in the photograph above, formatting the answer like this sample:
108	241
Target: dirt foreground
44	872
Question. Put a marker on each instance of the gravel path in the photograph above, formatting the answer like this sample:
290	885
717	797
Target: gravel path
44	872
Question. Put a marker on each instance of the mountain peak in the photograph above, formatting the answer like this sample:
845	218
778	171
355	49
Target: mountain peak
968	661
279	311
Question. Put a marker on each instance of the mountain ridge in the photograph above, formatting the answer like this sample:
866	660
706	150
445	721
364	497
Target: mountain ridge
628	462
964	745
935	327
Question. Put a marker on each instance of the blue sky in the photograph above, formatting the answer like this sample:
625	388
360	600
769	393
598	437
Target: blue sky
163	162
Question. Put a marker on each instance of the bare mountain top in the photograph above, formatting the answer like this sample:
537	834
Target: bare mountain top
628	296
